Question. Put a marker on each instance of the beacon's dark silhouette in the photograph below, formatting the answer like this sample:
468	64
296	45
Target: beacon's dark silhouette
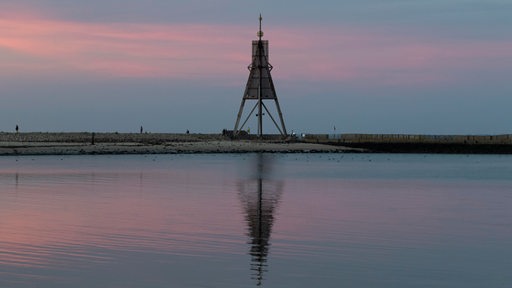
260	197
260	87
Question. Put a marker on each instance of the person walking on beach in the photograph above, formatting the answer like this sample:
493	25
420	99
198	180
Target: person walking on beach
141	129
17	129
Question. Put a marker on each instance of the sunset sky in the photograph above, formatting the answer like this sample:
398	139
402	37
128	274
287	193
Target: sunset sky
362	66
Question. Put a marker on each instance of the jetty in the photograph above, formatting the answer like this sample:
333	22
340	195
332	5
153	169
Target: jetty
92	143
415	143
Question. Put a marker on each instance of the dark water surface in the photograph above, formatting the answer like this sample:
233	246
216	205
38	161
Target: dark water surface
295	220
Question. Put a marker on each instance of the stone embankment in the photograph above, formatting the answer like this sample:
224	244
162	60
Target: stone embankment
406	143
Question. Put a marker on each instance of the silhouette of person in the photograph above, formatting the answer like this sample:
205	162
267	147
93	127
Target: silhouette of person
17	129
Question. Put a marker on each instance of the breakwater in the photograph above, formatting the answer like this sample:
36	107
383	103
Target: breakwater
411	143
143	143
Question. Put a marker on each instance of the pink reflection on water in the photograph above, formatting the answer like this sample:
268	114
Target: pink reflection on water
390	213
74	218
55	217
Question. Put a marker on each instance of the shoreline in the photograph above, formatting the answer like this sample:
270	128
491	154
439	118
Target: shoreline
176	148
17	144
87	143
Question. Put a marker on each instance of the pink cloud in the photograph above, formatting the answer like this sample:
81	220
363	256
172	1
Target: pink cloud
187	51
137	50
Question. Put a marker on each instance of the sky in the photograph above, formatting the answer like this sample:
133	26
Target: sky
344	66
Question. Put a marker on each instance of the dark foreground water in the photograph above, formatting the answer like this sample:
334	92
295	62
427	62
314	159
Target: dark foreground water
328	220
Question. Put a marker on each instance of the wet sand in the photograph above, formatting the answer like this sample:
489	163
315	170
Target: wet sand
131	143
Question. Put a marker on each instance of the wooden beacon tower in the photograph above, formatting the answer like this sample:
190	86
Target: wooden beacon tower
260	87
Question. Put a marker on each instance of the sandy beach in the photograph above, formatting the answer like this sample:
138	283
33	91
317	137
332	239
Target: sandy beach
158	143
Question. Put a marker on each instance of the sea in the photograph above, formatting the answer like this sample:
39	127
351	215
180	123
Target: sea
256	220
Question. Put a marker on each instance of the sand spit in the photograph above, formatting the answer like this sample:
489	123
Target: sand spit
158	143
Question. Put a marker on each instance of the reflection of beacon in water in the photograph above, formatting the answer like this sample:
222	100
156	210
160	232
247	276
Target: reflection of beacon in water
260	197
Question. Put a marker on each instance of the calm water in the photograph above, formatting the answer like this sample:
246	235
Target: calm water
325	220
